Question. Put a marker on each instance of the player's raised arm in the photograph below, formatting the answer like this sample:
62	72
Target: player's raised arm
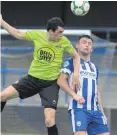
11	30
66	71
76	64
64	85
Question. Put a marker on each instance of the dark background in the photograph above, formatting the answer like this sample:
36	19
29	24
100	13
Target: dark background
36	13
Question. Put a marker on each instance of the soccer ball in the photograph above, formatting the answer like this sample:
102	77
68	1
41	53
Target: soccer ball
80	7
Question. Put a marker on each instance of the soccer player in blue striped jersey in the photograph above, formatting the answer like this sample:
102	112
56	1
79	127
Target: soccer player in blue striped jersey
85	104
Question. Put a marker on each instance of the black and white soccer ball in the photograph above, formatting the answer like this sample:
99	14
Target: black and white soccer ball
80	7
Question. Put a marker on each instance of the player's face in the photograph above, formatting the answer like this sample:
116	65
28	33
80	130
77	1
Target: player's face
57	34
85	46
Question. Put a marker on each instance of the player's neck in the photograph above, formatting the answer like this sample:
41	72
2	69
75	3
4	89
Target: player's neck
85	58
48	37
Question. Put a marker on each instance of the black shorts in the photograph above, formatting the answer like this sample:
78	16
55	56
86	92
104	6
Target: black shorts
48	90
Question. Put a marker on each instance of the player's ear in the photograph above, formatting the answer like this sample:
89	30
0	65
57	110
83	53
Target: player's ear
50	31
77	45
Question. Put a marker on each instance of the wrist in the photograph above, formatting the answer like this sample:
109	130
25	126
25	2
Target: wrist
76	73
73	94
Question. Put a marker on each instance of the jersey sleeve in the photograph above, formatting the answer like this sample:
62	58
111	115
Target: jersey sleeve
32	35
67	67
68	46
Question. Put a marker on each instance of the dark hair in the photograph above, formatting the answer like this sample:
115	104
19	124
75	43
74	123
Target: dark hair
53	23
85	36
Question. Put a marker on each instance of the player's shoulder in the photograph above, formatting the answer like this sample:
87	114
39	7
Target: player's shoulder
65	39
70	60
39	32
94	65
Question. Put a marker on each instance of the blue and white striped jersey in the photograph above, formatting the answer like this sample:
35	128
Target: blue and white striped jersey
88	79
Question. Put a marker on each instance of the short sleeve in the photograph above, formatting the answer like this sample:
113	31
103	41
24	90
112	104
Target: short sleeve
31	35
67	66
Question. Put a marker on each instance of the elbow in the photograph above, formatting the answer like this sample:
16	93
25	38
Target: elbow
60	81
76	56
18	34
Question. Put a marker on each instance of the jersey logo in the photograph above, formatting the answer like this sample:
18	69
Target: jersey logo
78	123
88	74
45	55
66	64
54	102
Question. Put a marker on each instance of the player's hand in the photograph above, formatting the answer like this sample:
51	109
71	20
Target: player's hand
76	82
79	99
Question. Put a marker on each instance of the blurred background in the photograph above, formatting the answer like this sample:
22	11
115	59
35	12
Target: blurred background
26	116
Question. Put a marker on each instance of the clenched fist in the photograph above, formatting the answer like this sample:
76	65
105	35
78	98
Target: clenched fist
79	99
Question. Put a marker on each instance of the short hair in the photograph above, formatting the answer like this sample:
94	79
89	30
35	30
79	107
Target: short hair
53	23
85	36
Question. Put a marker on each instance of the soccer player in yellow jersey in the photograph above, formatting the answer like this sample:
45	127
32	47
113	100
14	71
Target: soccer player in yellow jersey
45	68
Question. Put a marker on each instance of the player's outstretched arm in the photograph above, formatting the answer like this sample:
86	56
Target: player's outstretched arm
76	64
11	30
64	85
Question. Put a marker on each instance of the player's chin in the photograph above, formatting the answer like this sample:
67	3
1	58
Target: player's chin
85	53
59	38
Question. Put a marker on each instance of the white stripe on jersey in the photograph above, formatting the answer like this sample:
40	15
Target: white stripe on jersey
95	98
66	70
73	120
89	94
89	90
80	91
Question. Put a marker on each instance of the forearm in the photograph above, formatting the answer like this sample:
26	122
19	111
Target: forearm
64	85
100	101
76	64
12	31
